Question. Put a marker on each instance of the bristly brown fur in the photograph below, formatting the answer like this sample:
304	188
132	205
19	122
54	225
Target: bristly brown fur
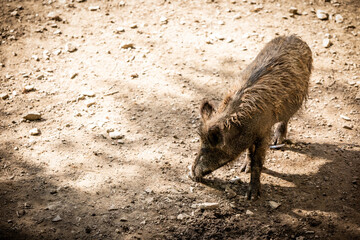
268	86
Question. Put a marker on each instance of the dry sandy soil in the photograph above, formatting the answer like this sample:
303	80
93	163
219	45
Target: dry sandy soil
142	68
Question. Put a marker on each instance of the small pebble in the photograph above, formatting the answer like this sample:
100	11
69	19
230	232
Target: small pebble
119	30
57	219
29	88
346	118
90	103
293	10
326	43
127	45
69	47
206	206
35	57
94	8
134	75
322	15
54	16
116	135
339	18
34	132
248	212
274	205
163	20
89	94
32	116
181	216
4	96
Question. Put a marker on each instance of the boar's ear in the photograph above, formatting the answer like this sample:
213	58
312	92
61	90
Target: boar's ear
215	136
206	110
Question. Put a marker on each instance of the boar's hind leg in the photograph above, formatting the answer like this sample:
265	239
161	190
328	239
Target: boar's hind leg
257	156
280	133
245	166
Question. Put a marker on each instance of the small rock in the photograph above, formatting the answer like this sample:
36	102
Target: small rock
339	18
73	75
34	132
54	16
121	4
248	212
89	94
40	77
113	208
181	216
163	20
127	45
133	26
90	103
35	57
14	13
28	88
57	218
116	135
346	118
326	43
134	75
57	52
206	206
322	15
32	116
46	54
274	205
257	8
293	10
4	96
69	47
57	32
357	97
237	16
349	127
94	8
119	30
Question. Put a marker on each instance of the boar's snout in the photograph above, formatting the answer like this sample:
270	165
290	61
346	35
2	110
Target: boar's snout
197	170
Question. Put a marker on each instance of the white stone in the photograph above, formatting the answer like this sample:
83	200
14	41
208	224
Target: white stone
206	206
248	212
4	96
326	43
346	118
88	94
94	8
69	47
57	218
339	18
163	20
274	205
116	135
119	30
322	15
293	10
90	103
34	132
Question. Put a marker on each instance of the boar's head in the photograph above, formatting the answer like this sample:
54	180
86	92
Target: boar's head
219	144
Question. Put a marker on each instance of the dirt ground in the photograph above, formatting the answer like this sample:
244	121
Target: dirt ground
139	70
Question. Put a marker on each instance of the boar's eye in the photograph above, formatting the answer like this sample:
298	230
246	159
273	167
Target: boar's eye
215	136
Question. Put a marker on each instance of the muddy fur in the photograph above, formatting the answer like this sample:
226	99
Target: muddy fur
274	87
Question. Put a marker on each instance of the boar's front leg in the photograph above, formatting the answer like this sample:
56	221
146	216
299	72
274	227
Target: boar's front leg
257	156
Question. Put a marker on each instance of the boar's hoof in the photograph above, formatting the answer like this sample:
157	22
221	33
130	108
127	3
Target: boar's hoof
253	194
245	167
